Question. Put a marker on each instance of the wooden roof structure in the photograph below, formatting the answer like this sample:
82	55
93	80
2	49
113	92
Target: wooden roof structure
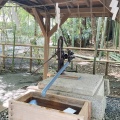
68	8
76	8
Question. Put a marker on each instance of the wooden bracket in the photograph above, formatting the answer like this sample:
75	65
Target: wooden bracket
65	17
40	20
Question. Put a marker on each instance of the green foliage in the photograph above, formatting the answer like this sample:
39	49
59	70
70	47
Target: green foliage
86	34
26	23
76	30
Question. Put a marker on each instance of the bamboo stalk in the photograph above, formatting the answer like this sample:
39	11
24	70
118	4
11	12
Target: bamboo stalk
31	59
108	32
97	42
119	38
74	22
3	53
103	37
116	35
107	64
14	34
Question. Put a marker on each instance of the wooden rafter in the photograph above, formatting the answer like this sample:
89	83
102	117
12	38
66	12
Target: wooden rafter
65	17
2	2
106	4
70	4
87	3
40	20
47	6
82	10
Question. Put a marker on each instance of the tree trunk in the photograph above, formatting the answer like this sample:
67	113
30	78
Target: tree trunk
103	37
93	27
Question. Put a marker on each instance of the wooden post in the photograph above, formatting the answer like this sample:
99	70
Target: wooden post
45	29
54	29
107	63
3	53
46	46
71	65
30	58
47	34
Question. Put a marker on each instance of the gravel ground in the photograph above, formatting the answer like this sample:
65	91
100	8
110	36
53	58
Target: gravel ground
10	84
113	103
4	115
113	109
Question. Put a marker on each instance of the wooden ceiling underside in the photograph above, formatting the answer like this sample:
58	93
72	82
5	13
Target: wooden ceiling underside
76	8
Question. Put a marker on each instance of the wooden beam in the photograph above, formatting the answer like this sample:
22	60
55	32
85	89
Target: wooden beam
87	3
65	17
39	20
82	10
106	4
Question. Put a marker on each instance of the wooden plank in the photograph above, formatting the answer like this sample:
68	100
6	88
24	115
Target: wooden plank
61	99
65	17
39	20
86	111
54	97
19	110
2	108
25	97
22	111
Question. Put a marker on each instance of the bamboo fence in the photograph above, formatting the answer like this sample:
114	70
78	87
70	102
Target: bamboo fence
31	57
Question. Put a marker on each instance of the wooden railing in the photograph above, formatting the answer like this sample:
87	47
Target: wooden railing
31	58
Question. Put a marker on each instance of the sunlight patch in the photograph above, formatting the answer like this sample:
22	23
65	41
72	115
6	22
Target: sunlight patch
84	63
